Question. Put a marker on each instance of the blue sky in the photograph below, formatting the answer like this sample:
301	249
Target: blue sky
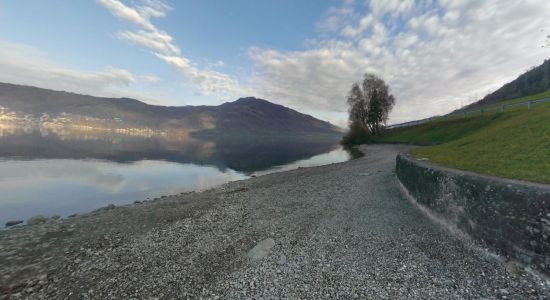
436	55
82	36
208	30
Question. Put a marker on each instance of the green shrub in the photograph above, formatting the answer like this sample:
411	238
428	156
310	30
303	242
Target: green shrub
356	135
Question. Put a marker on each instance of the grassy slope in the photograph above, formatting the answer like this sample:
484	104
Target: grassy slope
522	99
437	132
513	144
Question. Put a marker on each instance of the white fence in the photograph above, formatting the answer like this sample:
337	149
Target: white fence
467	113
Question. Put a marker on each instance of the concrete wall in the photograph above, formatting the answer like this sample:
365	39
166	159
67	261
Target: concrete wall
510	217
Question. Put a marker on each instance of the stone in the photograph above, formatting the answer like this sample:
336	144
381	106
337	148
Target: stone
37	220
109	207
261	250
514	267
13	223
56	217
282	260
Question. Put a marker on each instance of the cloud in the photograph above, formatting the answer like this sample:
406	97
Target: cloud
309	79
21	64
435	54
157	41
391	7
140	16
350	31
218	64
150	79
209	82
161	44
335	18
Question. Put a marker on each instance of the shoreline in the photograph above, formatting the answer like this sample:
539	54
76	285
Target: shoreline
219	178
254	238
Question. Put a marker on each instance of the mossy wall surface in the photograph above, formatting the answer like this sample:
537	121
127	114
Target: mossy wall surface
511	217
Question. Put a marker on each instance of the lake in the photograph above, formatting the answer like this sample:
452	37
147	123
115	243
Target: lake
63	171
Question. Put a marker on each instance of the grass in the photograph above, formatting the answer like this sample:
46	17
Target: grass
437	132
514	144
522	99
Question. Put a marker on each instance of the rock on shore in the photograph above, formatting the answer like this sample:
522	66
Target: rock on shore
13	223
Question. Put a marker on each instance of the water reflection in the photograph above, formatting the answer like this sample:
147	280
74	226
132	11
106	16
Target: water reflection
60	171
240	153
64	187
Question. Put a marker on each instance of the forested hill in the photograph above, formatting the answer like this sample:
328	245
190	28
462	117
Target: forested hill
534	81
241	116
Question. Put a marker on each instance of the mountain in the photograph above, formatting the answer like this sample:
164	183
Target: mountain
245	115
534	81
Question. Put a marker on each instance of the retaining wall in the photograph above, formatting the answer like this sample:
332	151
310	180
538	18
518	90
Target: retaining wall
510	217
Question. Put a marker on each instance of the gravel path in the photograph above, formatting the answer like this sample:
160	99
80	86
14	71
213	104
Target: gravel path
338	231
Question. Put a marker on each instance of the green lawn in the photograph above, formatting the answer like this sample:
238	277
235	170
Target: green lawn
522	99
513	144
438	132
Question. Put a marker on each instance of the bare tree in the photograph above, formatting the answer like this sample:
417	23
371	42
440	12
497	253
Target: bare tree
370	103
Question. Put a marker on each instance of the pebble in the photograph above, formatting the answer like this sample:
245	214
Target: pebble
261	250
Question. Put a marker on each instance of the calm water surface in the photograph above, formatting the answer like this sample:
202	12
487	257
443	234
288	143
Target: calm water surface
53	172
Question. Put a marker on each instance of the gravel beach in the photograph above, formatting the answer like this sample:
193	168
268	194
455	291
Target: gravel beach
339	231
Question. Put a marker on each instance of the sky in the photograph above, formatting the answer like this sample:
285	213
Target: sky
436	55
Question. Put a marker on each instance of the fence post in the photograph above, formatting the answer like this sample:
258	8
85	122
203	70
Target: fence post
529	104
482	111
